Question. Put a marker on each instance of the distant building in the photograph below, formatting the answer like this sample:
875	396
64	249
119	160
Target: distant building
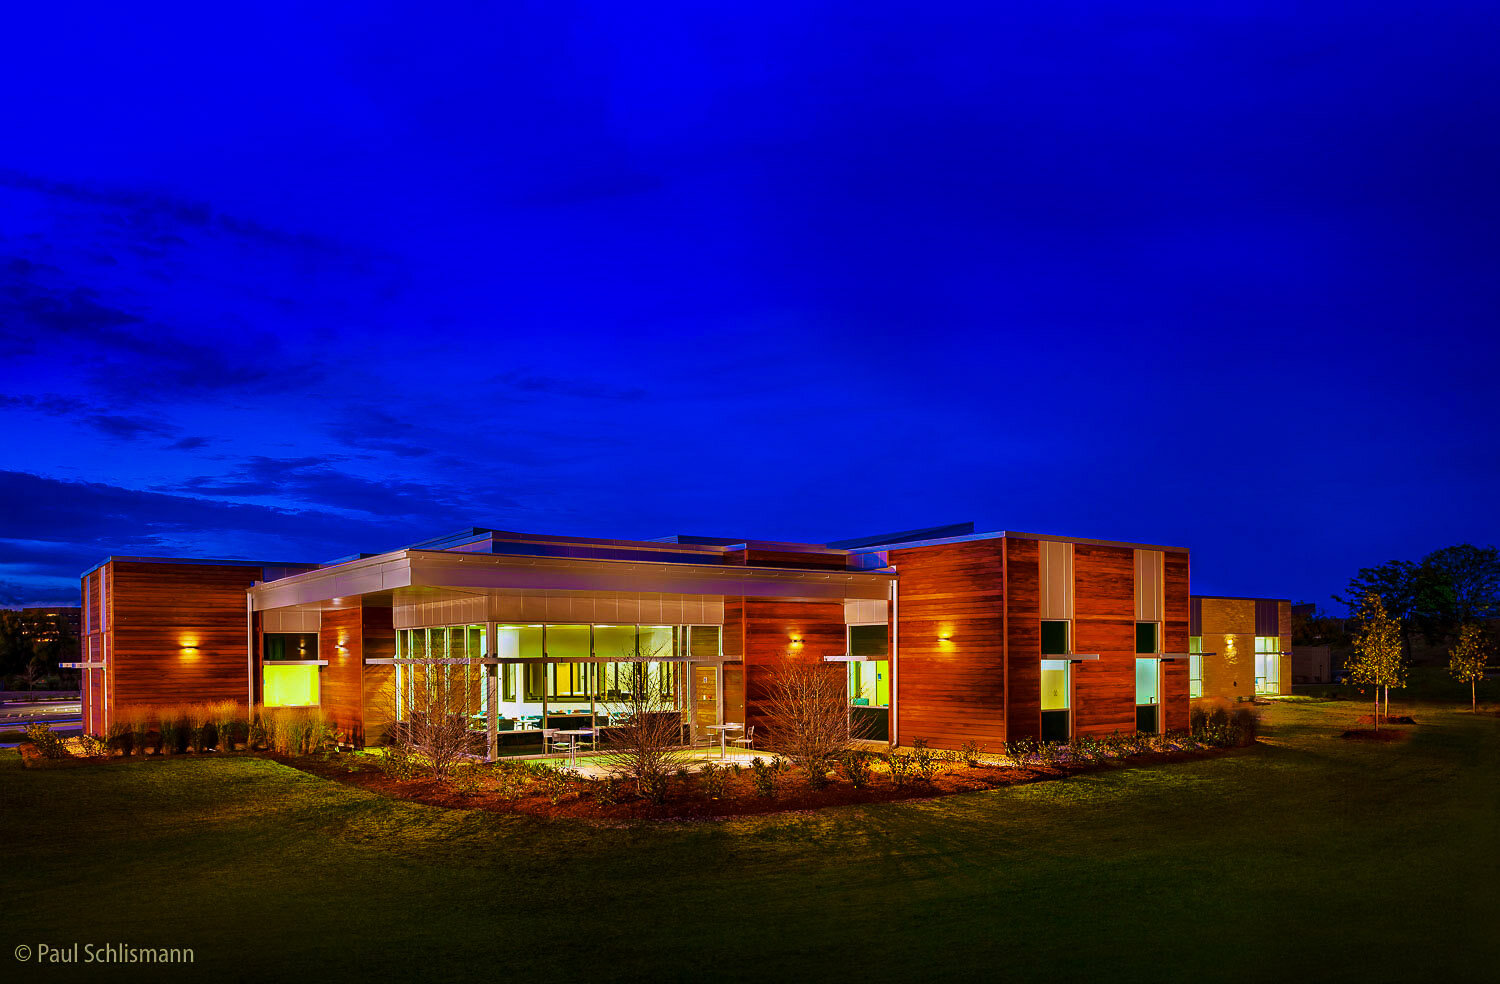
47	624
1312	664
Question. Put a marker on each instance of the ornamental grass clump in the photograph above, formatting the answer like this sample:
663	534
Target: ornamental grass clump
258	729
169	725
227	719
117	737
197	718
138	721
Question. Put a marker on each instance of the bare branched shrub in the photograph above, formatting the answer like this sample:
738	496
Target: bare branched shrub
806	714
433	734
644	739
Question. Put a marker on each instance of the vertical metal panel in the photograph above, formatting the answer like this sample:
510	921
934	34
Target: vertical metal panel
1266	621
1195	617
1148	585
1056	579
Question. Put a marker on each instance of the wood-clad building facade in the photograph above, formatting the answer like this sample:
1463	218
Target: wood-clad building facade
944	635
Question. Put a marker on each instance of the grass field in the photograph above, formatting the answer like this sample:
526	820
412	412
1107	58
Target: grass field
1309	858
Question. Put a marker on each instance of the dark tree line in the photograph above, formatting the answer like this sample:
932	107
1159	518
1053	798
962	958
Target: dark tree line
1431	599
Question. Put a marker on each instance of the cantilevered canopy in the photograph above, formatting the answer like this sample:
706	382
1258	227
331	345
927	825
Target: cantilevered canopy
481	572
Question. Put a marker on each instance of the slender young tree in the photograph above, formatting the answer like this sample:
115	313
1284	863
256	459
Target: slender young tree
1378	657
1466	661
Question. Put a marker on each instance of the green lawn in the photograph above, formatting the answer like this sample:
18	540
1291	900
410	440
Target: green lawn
1307	858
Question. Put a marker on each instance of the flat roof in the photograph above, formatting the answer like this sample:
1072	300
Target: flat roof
998	534
206	562
486	571
1239	598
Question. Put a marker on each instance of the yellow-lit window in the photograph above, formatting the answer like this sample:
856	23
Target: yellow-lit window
290	686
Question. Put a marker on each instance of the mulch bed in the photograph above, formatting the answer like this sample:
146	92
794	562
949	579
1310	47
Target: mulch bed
1370	734
687	801
1388	719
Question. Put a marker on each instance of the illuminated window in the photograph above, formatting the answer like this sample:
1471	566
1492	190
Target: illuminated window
870	683
1267	664
290	686
1145	637
1056	699
1147	694
1195	666
1054	638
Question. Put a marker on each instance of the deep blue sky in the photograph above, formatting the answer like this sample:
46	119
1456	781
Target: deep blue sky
289	281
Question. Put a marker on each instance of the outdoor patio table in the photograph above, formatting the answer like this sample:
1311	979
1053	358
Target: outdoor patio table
723	730
575	733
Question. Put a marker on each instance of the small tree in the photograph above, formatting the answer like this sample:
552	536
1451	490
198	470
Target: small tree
806	714
1466	661
1378	658
436	731
644	740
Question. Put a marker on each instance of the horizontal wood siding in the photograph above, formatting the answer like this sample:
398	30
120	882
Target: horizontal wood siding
377	641
1023	632
767	629
157	611
952	691
341	691
1104	623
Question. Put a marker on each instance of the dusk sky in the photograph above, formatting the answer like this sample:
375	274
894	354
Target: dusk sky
291	281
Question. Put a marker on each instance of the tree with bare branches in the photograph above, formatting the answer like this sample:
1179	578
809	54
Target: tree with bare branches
435	732
643	742
806	714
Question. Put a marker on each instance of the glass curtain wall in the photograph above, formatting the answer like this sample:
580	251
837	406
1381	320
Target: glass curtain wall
567	683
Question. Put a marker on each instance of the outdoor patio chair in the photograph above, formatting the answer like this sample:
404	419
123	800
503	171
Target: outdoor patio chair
746	740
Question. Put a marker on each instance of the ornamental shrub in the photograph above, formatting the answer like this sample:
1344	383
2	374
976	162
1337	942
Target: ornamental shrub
49	744
854	765
765	776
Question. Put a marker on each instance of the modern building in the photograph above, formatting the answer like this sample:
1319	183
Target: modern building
941	634
1242	648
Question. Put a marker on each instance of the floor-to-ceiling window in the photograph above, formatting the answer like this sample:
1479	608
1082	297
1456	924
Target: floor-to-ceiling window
1268	664
1195	666
547	673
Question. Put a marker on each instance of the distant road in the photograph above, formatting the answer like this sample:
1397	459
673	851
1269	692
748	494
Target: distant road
26	710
